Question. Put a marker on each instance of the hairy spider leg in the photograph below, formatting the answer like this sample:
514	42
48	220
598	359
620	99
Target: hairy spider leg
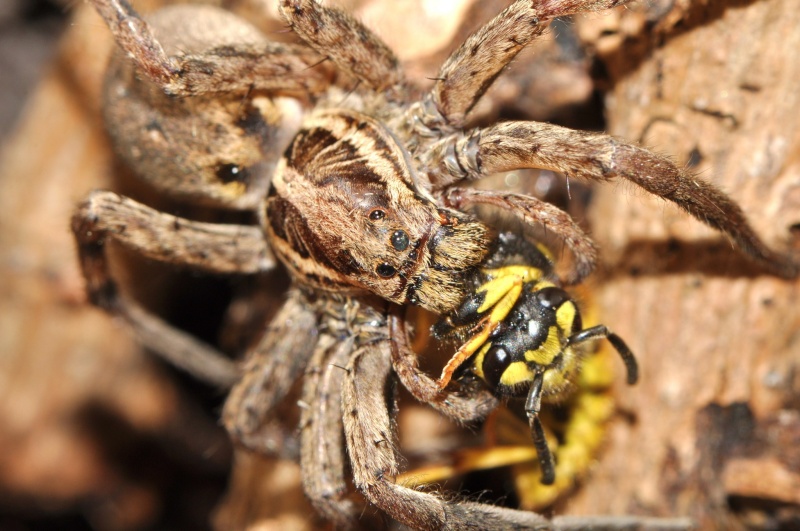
251	62
372	446
322	456
535	212
593	156
272	366
460	155
405	362
106	217
472	68
350	45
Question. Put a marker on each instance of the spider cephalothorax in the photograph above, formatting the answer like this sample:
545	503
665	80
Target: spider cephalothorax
351	172
377	231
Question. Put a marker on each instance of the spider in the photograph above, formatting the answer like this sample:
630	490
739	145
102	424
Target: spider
350	173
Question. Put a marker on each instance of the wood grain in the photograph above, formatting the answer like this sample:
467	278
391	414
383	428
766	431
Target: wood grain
715	85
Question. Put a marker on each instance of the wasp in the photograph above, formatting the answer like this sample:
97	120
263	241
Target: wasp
526	336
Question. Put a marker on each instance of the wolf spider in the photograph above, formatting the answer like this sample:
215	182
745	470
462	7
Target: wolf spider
350	171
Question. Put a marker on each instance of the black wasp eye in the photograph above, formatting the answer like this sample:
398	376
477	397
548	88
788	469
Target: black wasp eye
376	214
495	362
385	270
552	297
400	240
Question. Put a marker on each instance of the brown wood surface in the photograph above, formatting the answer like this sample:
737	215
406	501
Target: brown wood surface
89	423
56	364
714	423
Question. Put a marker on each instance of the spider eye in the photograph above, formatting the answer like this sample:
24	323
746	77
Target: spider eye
229	173
400	240
385	270
376	214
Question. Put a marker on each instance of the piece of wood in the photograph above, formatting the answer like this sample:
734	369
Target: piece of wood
716	85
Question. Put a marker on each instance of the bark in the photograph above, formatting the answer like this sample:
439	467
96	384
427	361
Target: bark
711	431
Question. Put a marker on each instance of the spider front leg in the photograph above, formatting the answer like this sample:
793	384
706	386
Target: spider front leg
351	46
577	154
462	409
322	454
269	372
191	50
371	442
471	69
535	212
214	248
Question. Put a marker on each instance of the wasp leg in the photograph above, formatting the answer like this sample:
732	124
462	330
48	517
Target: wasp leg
600	332
535	212
371	443
211	247
533	405
252	63
268	374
